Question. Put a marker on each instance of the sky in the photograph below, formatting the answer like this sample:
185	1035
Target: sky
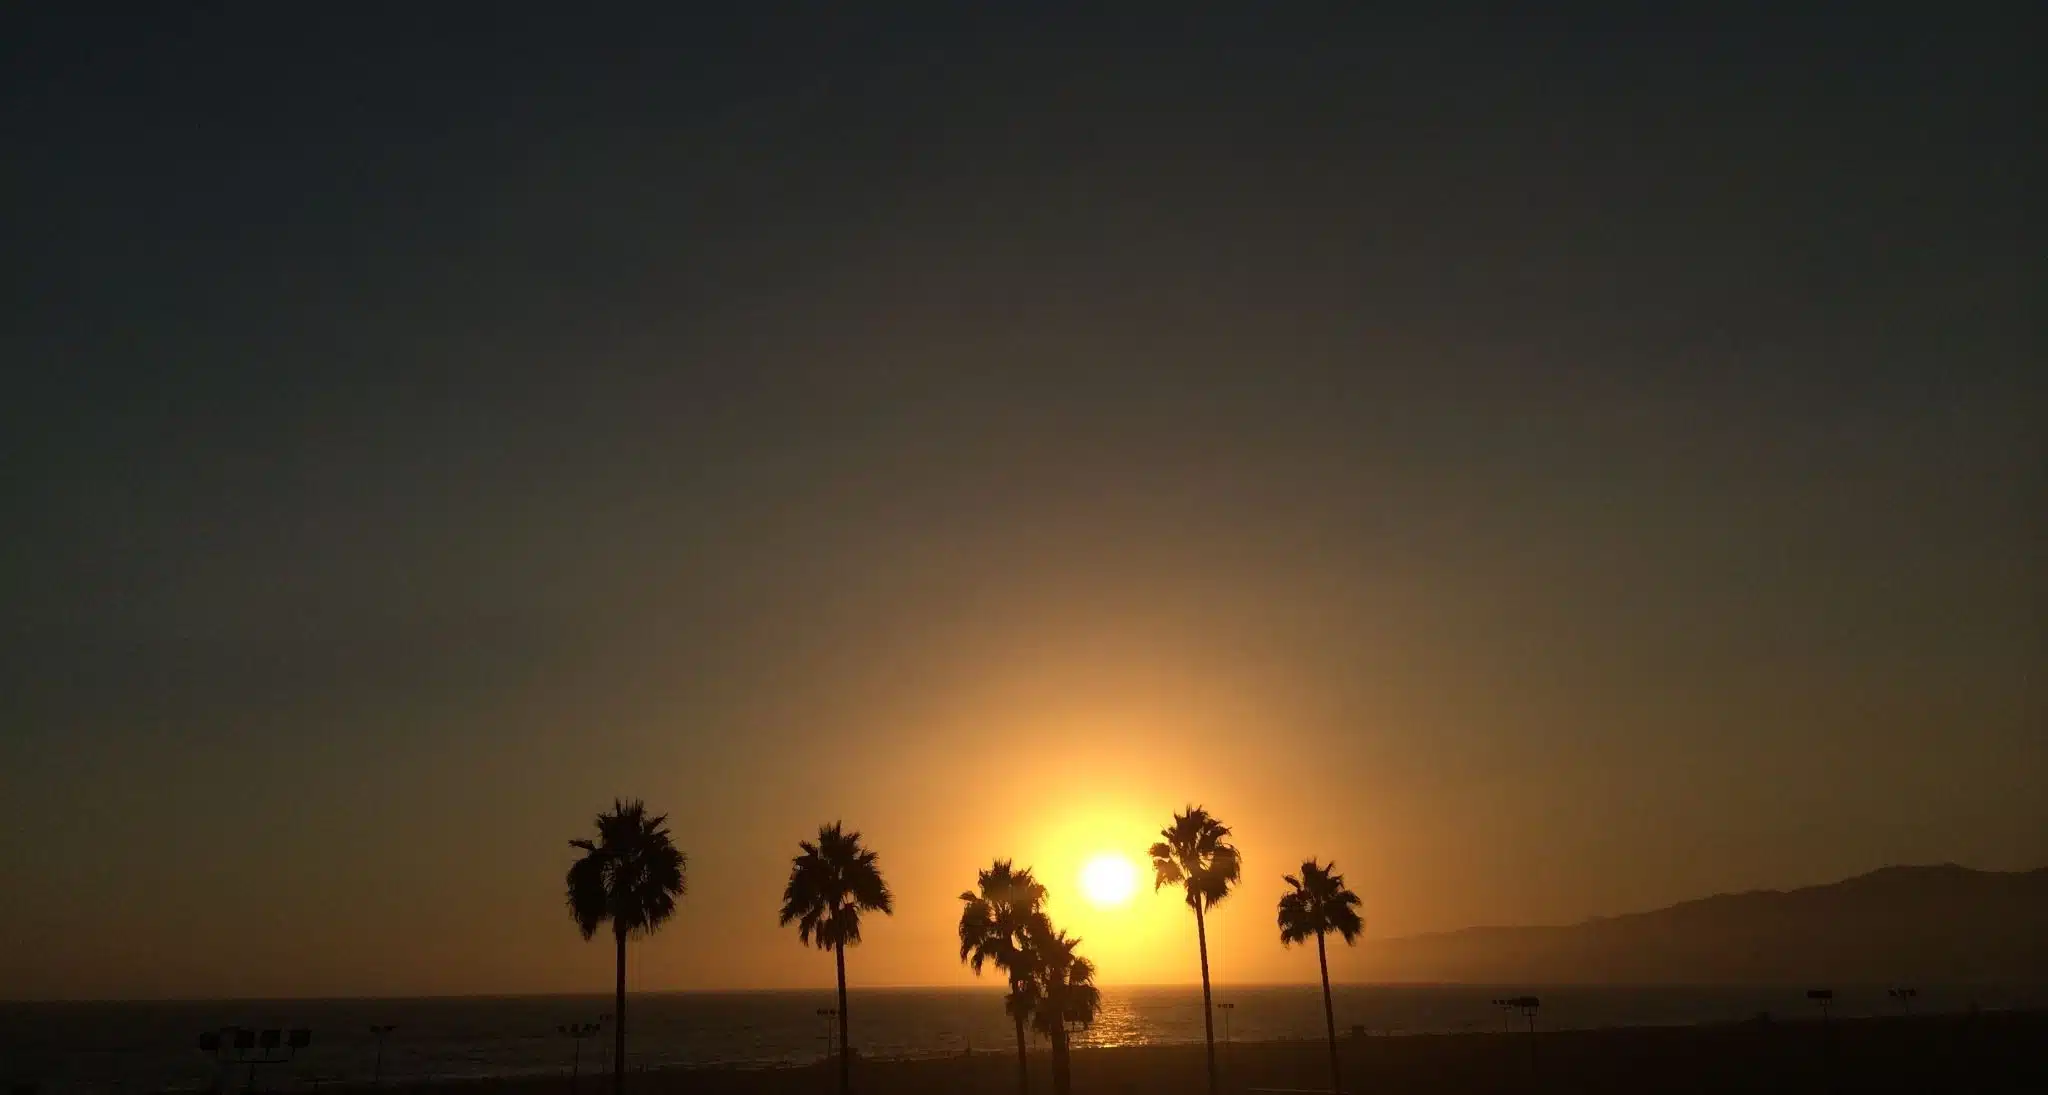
1552	468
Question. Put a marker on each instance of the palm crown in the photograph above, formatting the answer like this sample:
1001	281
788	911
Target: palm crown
1064	982
630	875
1317	902
830	884
1021	1002
1197	855
996	914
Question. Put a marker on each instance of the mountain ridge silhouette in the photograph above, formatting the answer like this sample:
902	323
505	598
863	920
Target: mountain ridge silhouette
1939	923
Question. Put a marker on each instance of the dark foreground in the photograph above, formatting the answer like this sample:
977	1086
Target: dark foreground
2001	1052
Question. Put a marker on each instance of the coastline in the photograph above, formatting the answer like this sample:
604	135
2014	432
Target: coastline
1987	1051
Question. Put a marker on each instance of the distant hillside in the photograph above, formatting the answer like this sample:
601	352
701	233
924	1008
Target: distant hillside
1926	924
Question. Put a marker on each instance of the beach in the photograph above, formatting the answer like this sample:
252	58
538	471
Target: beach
1993	1051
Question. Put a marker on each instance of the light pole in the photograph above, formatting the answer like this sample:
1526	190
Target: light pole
243	1046
220	1045
378	1031
1528	1006
1226	1009
829	1015
1904	995
1823	997
578	1032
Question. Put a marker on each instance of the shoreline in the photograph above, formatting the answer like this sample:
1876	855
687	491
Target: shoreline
1978	1051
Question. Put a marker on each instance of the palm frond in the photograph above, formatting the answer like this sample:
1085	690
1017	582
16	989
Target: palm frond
1022	1000
1064	982
1318	903
630	876
831	882
996	915
588	901
1196	855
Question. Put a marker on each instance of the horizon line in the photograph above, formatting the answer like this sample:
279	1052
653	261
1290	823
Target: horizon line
969	988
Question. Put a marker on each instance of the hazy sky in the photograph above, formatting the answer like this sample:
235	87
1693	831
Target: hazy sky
1552	469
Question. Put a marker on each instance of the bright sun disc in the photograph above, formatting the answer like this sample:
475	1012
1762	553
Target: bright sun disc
1109	879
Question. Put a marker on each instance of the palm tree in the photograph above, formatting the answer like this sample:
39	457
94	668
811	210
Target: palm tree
1196	856
631	876
995	916
830	885
1317	904
1064	983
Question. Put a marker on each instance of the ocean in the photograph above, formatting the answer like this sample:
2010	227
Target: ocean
110	1047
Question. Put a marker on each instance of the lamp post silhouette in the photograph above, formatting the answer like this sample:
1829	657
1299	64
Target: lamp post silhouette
578	1032
1527	1006
1904	995
1226	1009
232	1046
219	1044
829	1015
378	1031
245	1050
1823	997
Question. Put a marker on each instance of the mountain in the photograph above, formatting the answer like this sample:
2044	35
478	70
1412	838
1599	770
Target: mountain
1941	924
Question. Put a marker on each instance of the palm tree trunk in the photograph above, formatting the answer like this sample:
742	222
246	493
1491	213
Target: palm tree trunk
1062	1080
1329	1014
845	1051
1208	1011
1023	1066
619	1020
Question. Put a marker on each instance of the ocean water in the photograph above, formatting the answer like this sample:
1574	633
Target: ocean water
116	1047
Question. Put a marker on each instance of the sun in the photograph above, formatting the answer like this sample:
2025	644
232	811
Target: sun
1109	879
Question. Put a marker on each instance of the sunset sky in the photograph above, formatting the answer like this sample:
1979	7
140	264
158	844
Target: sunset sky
1552	470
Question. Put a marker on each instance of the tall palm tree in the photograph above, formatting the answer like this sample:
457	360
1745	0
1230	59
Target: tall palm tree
830	884
1197	855
1317	903
995	916
1065	985
631	876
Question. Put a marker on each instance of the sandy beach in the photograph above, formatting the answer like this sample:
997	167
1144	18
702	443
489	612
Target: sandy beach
1987	1052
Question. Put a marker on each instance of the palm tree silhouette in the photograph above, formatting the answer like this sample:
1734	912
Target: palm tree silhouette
830	884
994	919
1064	983
1317	904
631	876
1196	856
